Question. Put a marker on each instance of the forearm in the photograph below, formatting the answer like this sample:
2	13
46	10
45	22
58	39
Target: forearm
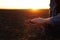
48	21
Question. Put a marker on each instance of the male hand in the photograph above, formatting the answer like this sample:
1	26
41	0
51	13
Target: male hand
38	21
41	21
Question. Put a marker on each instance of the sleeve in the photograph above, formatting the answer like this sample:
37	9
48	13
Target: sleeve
55	22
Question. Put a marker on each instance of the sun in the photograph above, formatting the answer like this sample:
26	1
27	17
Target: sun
33	10
24	4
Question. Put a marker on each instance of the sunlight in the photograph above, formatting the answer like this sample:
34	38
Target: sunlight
33	9
24	4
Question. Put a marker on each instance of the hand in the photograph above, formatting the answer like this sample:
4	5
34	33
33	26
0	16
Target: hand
37	20
41	21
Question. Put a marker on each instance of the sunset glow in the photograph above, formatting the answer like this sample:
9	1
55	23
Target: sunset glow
24	4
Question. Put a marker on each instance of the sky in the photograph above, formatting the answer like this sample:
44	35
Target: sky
24	4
